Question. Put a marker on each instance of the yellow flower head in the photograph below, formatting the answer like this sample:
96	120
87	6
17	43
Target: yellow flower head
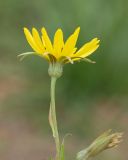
59	51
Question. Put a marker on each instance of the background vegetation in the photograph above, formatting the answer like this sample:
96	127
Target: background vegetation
91	98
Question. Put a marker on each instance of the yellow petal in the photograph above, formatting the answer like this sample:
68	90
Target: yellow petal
70	43
47	41
37	39
58	43
31	41
87	49
74	50
43	42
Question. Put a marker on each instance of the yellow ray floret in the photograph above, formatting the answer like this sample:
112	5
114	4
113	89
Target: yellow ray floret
58	43
37	39
59	51
86	49
32	41
48	44
70	43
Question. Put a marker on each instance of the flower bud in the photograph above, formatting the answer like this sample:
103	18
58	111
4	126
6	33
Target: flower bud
103	142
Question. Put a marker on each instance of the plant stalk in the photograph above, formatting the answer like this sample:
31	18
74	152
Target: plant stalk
53	117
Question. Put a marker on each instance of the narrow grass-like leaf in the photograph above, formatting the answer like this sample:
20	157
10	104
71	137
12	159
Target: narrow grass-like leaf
62	152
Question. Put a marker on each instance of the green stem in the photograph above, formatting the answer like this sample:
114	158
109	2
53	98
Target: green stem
53	117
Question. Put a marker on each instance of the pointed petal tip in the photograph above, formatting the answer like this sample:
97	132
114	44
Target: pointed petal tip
98	40
95	40
25	29
59	30
34	29
43	29
77	30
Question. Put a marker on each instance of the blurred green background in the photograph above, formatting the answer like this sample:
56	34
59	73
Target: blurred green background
91	98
